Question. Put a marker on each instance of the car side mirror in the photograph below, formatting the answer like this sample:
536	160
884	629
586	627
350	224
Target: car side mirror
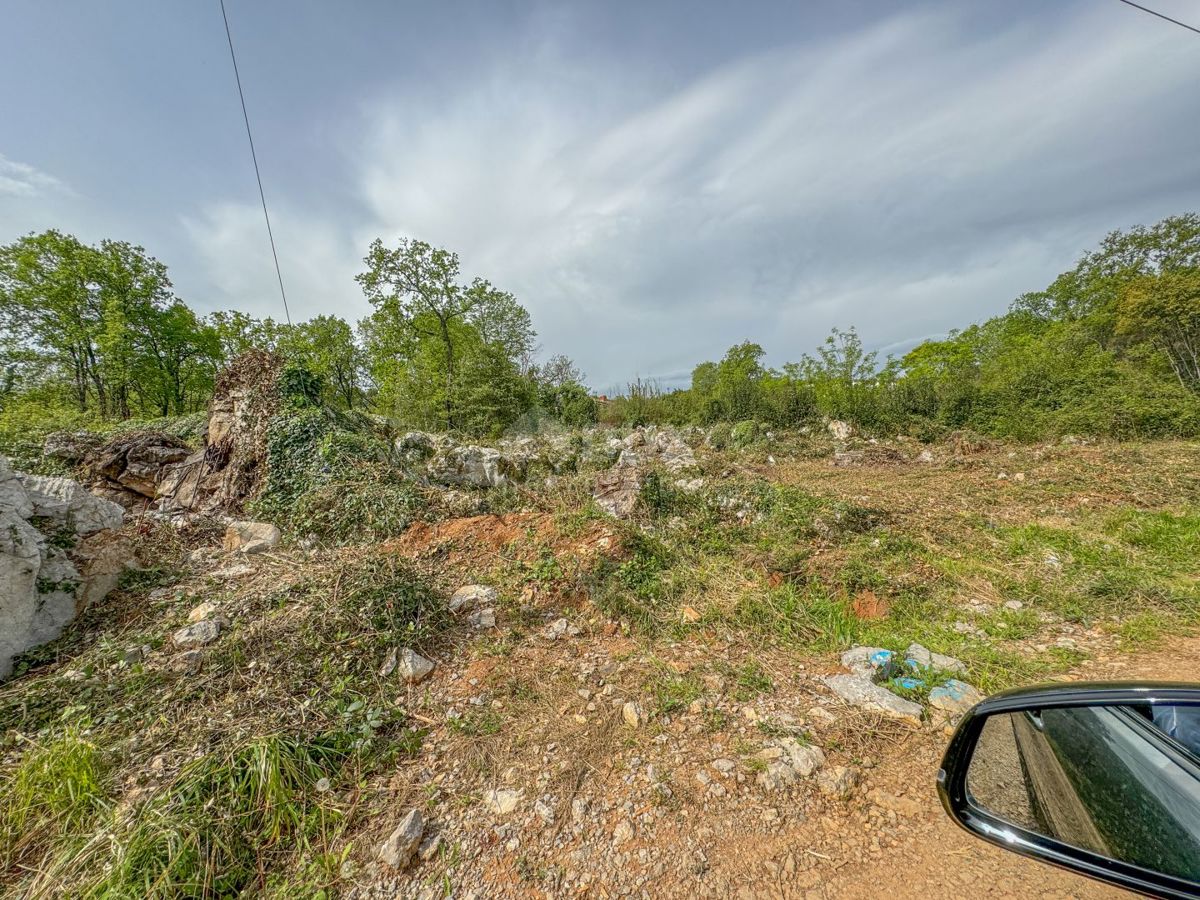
1102	779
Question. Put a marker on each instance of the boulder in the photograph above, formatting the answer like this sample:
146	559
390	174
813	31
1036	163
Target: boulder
473	466
617	490
920	658
71	446
59	552
136	461
69	503
841	431
867	660
251	537
955	697
233	464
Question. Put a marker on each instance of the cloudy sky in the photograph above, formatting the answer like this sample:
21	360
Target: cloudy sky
654	180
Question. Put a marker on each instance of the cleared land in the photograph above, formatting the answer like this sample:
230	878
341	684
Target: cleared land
278	758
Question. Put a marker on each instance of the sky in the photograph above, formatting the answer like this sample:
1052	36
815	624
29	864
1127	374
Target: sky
655	181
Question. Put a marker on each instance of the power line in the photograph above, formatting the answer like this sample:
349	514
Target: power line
254	157
1161	16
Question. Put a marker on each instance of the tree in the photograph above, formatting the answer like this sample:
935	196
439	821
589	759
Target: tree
105	321
844	376
419	301
49	294
559	370
326	347
1164	310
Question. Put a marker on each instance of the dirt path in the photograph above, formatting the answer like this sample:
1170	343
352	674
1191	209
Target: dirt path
931	857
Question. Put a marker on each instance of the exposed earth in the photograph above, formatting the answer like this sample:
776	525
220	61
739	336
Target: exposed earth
533	695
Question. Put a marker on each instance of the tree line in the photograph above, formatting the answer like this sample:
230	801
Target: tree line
97	334
1111	347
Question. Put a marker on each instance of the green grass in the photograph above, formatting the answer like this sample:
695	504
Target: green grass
750	681
56	790
673	692
226	819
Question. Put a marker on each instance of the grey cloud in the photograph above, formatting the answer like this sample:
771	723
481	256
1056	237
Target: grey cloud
909	177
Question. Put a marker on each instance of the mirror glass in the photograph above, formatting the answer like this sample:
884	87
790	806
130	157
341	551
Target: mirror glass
1119	781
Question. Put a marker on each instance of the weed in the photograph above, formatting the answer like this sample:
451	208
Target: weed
750	681
477	722
673	692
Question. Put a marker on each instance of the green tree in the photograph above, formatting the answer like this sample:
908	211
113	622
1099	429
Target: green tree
325	346
430	332
1164	311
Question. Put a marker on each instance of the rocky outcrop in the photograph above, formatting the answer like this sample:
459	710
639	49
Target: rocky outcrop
59	552
232	465
136	462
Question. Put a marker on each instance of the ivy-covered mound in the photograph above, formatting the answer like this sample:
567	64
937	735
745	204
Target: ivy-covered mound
329	473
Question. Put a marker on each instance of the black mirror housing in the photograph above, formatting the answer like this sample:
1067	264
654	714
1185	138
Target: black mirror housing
1052	765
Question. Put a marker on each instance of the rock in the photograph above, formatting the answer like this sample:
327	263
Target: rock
69	503
413	667
632	714
205	610
397	851
579	810
470	596
189	662
502	801
841	431
59	553
1013	605
482	618
954	697
472	465
559	628
136	461
725	766
924	659
804	759
131	656
776	776
821	714
420	441
72	446
623	833
251	537
430	847
544	811
865	694
925	456
198	634
867	660
837	781
236	571
617	491
389	664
